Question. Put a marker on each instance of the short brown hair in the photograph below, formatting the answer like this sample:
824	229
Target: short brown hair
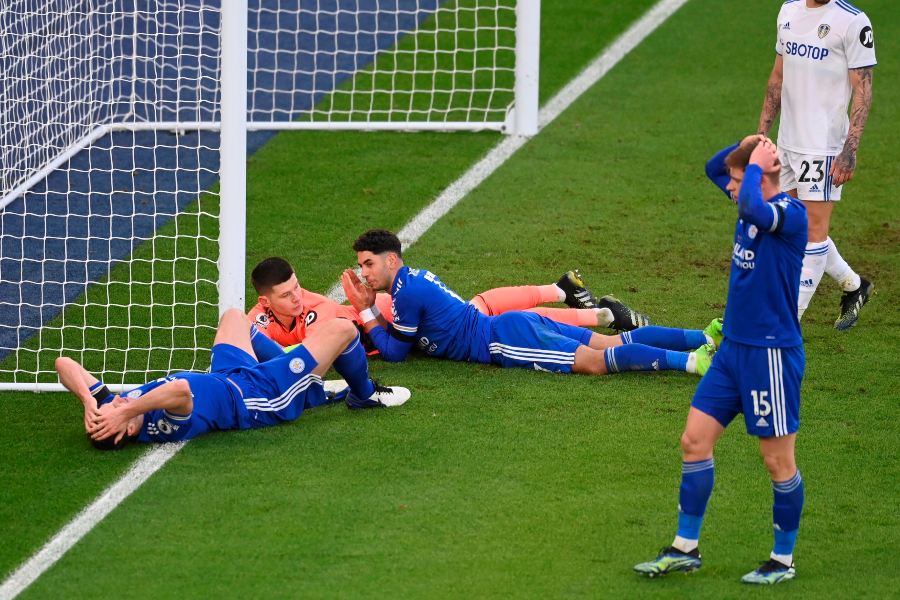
269	273
739	158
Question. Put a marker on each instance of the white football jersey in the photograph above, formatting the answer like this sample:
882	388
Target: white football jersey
818	46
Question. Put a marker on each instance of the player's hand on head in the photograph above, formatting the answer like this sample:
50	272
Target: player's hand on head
111	420
359	294
765	155
750	140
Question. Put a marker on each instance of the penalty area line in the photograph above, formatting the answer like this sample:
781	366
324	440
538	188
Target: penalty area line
158	456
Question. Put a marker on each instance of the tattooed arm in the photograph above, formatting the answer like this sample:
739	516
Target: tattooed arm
772	103
845	163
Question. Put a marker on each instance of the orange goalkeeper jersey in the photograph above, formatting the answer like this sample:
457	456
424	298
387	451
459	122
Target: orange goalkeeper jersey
316	309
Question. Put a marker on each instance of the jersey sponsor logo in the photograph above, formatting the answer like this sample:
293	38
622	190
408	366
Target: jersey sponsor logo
296	365
805	51
262	320
427	345
744	258
311	317
166	427
867	37
823	30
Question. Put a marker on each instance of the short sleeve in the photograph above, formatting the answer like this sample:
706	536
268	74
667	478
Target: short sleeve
859	43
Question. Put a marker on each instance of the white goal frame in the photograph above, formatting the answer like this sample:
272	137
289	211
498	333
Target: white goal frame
521	119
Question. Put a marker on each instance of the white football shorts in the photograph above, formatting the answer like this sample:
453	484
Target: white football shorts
808	174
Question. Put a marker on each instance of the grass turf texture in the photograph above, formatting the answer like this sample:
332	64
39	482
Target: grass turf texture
512	483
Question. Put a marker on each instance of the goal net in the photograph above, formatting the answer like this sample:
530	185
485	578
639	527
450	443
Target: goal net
112	116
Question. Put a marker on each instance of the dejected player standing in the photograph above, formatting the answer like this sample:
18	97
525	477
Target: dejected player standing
759	366
825	52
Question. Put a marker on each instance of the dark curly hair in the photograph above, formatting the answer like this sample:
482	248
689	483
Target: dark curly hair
378	241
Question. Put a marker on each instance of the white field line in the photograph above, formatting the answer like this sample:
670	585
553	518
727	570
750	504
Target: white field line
156	457
483	169
69	535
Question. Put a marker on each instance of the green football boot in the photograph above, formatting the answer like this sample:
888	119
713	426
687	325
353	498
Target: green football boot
714	331
670	560
770	573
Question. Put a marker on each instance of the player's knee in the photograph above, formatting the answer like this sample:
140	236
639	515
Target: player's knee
232	315
695	447
780	466
342	329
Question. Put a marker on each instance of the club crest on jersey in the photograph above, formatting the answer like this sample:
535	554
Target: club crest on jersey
823	30
296	365
134	394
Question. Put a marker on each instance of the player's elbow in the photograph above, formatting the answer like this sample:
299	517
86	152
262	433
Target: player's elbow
183	395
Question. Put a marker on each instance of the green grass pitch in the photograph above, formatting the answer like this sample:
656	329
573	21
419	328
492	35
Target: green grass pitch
515	484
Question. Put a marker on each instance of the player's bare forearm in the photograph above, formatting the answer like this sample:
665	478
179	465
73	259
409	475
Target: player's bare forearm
845	163
77	380
772	102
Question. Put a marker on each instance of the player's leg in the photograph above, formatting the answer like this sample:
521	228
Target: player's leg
234	330
715	404
337	343
771	399
856	290
501	300
787	506
638	357
670	338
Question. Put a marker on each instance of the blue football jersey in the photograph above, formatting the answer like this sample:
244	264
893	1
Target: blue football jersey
217	406
765	273
445	325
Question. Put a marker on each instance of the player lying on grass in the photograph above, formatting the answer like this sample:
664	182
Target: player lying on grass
239	392
429	314
758	368
287	312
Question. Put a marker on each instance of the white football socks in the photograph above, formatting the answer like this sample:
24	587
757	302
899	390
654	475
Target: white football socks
813	269
684	544
838	269
560	293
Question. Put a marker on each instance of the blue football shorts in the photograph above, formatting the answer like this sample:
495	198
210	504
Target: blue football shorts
527	340
277	390
763	383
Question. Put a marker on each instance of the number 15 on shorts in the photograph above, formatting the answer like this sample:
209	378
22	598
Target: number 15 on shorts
761	406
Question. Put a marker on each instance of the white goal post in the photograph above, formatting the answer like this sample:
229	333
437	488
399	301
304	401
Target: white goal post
124	141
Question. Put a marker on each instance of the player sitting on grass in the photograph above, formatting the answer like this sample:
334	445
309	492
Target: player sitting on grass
239	392
287	312
758	367
429	314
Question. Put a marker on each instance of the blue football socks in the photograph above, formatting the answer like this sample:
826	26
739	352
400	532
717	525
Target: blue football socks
264	348
354	368
786	509
665	337
697	480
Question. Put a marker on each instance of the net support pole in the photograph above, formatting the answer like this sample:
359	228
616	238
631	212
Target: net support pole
233	156
528	55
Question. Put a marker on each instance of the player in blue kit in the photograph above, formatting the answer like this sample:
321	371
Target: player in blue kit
428	314
759	366
239	392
